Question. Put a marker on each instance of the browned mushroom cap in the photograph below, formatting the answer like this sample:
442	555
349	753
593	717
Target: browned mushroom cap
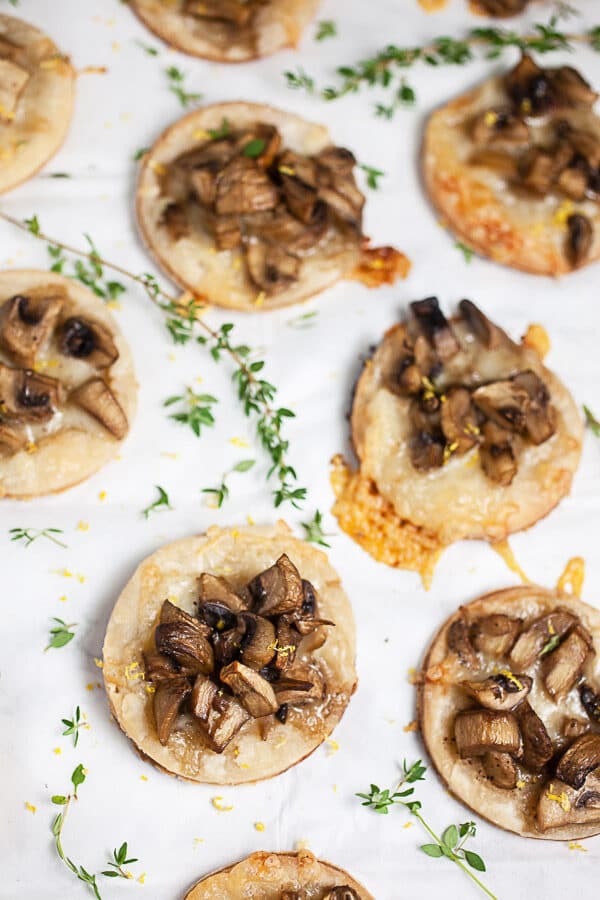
11	441
158	667
486	332
561	805
287	641
427	450
571	88
214	587
459	420
435	326
271	267
337	188
531	642
175	219
540	418
278	226
218	717
168	699
278	589
541	168
203	183
587	146
169	614
341	893
186	645
573	728
459	642
537	746
27	321
478	731
258	642
580	759
300	684
529	87
26	396
562	667
500	692
243	187
573	182
253	691
503	163
504	402
88	340
497	454
338	159
580	233
500	128
97	399
590	701
501	769
495	634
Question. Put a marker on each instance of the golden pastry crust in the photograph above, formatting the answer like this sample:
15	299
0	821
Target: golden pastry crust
278	24
73	445
238	554
264	876
220	277
524	232
44	109
439	699
457	500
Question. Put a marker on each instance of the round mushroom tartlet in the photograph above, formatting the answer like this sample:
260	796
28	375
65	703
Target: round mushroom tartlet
514	168
249	207
462	432
227	30
67	386
279	876
229	657
36	100
509	710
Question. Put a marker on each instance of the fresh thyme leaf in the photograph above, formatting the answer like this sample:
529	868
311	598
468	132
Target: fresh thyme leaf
33	225
29	535
591	421
254	148
77	779
176	79
139	153
221	493
196	410
60	634
450	845
550	645
222	132
151	51
73	725
161	503
372	176
326	29
314	531
244	465
120	859
305	320
299	80
58	175
466	251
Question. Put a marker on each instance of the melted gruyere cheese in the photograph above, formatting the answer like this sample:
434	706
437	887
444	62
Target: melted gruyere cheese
571	580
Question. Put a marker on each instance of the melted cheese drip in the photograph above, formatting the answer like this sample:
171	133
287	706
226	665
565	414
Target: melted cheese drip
571	580
537	338
380	265
432	5
504	550
372	522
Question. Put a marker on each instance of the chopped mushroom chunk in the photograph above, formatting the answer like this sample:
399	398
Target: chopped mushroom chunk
97	399
532	641
505	403
213	587
560	805
459	642
271	267
590	701
582	757
88	340
497	454
26	396
278	589
186	645
500	692
501	769
27	321
495	634
537	746
258	644
562	667
435	327
479	731
253	691
580	234
168	700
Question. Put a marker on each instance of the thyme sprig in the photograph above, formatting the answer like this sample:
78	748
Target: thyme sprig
60	634
161	504
183	320
313	530
73	725
65	800
326	28
221	493
29	535
451	844
195	410
591	421
118	861
176	80
386	69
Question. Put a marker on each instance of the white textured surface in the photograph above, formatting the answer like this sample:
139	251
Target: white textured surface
116	113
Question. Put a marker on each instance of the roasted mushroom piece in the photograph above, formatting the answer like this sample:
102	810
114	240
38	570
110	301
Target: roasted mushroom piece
243	187
97	399
560	805
540	417
341	893
216	588
278	589
26	396
258	643
270	266
582	757
253	691
187	645
537	746
562	667
218	716
501	769
501	692
495	634
497	454
479	731
88	340
27	321
531	642
505	403
459	642
590	701
299	685
168	700
435	326
459	420
502	8
500	128
580	234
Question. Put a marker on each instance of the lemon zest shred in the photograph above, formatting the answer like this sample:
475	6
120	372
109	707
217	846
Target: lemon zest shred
217	802
508	674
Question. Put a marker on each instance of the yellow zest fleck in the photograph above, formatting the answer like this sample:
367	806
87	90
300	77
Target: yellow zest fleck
142	878
287	170
57	750
259	299
235	533
102	496
537	338
31	447
244	766
30	807
412	726
200	134
332	746
143	778
237	264
407	825
283	651
83	526
520	784
113	304
508	674
280	743
217	802
250	520
238	442
561	799
66	573
413	676
93	70
471	429
503	549
563	213
80	578
334	788
171	357
116	46
198	841
157	167
573	845
150	689
490	118
98	663
6	114
259	826
63	598
449	450
236	751
133	672
571	580
525	106
90	686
